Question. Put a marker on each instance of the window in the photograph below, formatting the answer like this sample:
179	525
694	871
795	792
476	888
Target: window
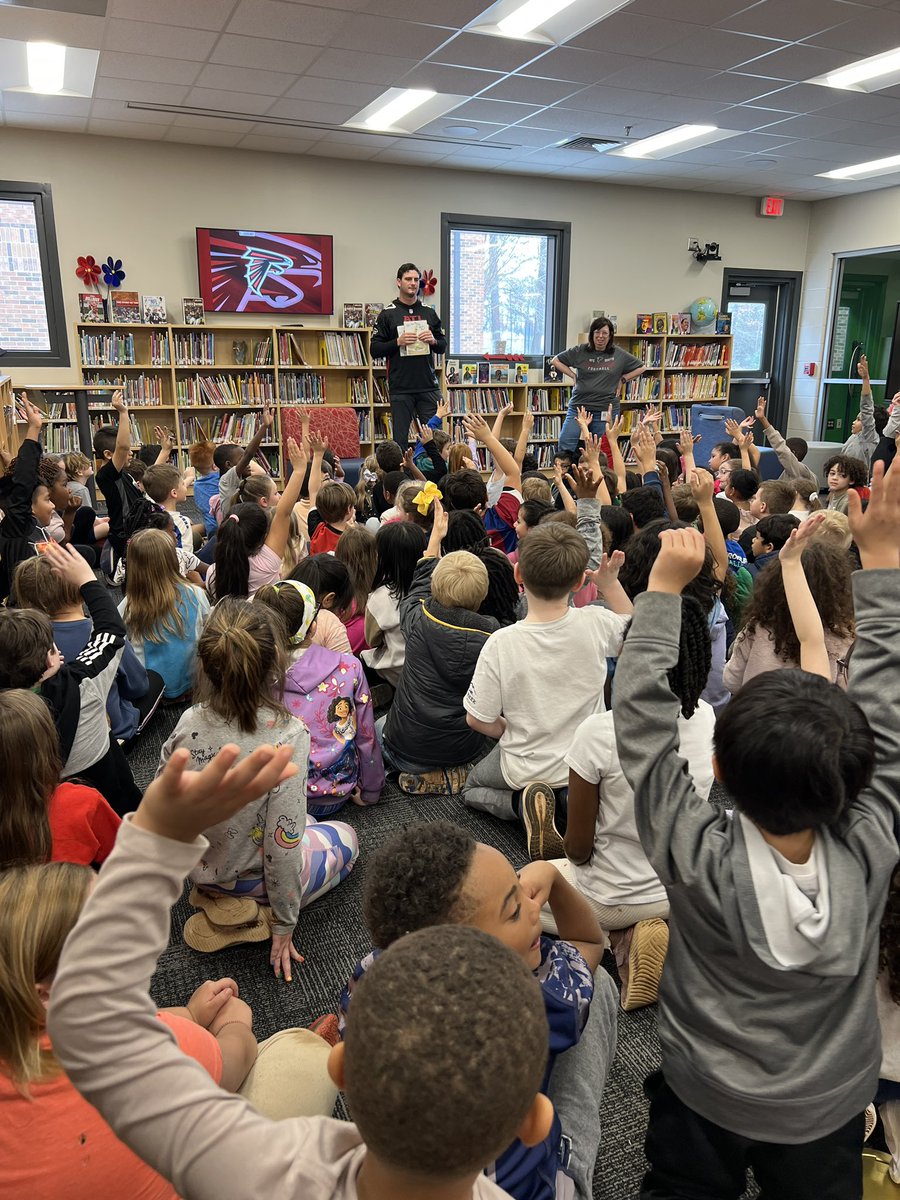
748	327
32	321
504	285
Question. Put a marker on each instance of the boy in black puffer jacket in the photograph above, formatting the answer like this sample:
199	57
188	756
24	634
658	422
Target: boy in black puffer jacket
425	735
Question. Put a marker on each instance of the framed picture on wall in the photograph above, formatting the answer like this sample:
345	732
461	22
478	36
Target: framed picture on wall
251	271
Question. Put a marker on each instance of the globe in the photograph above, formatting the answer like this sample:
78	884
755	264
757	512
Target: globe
703	311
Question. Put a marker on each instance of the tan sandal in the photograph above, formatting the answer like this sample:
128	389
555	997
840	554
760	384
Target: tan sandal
646	958
225	910
200	934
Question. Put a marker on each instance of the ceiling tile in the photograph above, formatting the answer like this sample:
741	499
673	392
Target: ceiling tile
456	13
626	32
384	35
366	68
147	67
716	48
527	89
204	137
857	107
490	53
524	135
498	111
287	22
713	156
666	78
747	117
792	20
452	81
263	53
869	32
139	89
793	97
125	129
30	24
236	102
190	14
219	124
441	124
578	66
594	124
167	41
759	143
798	63
334	91
697	12
245	79
311	110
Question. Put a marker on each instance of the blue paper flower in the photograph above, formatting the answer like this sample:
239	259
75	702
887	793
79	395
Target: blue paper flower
112	272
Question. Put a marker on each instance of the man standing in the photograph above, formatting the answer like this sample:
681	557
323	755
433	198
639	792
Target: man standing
408	334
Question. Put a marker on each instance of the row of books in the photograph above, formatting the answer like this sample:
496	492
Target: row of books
643	390
195	349
479	399
486	372
107	349
673	418
61	412
548	399
546	427
695	387
543	453
686	354
342	350
142	428
380	390
60	439
138	389
302	389
358	390
650	353
227	427
262	353
661	323
226	389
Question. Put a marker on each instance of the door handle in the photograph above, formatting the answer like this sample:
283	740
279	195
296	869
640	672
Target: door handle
743	379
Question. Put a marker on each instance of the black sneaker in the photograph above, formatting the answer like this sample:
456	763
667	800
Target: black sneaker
538	807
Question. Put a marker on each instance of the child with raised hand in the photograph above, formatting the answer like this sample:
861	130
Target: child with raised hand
784	901
45	819
440	1012
234	462
437	874
328	692
249	549
24	501
399	546
262	867
499	517
75	692
163	613
356	550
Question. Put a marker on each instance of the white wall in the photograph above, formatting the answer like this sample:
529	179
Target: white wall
870	221
141	201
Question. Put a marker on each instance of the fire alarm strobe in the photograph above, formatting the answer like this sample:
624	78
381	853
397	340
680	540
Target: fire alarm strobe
771	206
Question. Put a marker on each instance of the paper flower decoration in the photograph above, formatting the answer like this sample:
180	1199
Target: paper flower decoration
88	270
428	283
112	272
424	499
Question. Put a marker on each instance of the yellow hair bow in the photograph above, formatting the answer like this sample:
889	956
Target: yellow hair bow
423	499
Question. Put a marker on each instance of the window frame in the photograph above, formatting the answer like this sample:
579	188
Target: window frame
560	230
39	194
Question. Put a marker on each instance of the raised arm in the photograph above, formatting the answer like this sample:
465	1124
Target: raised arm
702	488
792	465
866	404
280	529
524	436
686	449
166	439
564	494
317	445
574	917
801	605
476	427
613	433
122	449
736	434
243	463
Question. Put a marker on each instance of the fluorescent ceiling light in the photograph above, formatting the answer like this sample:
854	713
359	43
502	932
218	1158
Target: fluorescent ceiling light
866	75
526	19
46	67
398	107
674	141
866	170
547	22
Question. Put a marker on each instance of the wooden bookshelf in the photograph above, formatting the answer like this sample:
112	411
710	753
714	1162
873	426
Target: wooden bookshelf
9	441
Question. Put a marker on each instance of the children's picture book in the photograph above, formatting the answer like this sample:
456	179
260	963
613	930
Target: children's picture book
644	323
90	305
353	315
499	373
680	323
723	323
373	308
153	309
452	371
660	322
415	348
192	311
552	373
468	373
124	307
521	375
484	372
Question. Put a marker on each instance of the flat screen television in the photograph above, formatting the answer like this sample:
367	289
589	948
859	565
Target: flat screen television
251	271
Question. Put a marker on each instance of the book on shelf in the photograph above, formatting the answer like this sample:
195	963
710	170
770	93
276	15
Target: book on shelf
138	389
380	393
548	399
660	322
488	399
680	323
343	350
124	307
353	315
90	306
697	354
415	349
650	353
226	389
643	323
482	373
262	353
192	311
222	427
373	310
696	387
195	349
290	351
357	390
723	322
521	373
643	390
451	371
153	310
160	355
302	388
113	349
552	373
500	373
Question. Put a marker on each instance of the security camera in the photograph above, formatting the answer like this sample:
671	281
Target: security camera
710	252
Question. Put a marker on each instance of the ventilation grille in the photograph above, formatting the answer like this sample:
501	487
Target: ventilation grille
599	144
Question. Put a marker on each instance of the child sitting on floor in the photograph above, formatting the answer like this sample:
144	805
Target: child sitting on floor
440	1012
328	692
43	818
508	696
769	536
165	486
437	874
841	474
399	546
782	901
356	550
271	860
75	692
332	586
334	511
134	692
425	735
201	456
163	613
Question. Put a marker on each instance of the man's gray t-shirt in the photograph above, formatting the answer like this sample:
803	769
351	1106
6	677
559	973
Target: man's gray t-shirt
599	374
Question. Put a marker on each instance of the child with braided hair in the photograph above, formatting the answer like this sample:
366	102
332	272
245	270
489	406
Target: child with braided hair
605	860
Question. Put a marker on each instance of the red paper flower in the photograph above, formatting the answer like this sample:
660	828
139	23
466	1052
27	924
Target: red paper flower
88	269
428	283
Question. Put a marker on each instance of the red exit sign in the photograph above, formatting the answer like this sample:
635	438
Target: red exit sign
771	206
